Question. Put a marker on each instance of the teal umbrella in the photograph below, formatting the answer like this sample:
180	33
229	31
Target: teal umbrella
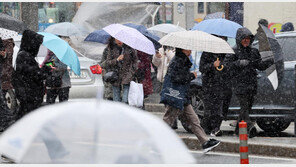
62	50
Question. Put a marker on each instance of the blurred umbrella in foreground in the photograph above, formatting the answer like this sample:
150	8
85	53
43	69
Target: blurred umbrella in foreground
131	37
62	50
269	47
11	23
197	41
93	132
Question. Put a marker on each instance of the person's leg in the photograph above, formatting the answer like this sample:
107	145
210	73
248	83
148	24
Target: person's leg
244	110
116	93
51	95
194	123
171	114
125	93
64	94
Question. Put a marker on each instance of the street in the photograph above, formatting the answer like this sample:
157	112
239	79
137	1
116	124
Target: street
227	158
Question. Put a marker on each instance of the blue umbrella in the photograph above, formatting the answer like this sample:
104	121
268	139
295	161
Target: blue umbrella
221	27
102	36
62	50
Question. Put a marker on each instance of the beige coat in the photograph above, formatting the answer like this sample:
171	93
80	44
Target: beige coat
163	62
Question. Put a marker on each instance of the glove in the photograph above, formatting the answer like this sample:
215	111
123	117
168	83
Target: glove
244	62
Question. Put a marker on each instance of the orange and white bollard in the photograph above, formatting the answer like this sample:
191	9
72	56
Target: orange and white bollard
243	143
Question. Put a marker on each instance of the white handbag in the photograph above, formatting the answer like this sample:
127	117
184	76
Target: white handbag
136	94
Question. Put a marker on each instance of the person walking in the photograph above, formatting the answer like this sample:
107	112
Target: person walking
123	59
7	117
29	77
244	64
179	74
62	77
108	93
7	68
216	91
143	73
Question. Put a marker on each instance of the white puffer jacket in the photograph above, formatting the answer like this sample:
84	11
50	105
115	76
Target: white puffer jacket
163	62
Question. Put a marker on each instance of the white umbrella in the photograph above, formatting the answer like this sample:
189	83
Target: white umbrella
66	29
6	34
92	132
131	37
166	28
196	40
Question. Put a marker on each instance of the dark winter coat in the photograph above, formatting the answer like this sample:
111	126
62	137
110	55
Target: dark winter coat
144	72
7	64
212	79
30	86
126	68
245	77
179	70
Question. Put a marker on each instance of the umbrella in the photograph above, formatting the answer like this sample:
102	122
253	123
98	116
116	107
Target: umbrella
11	23
62	50
270	47
196	40
92	132
66	29
6	34
131	37
102	36
221	27
166	28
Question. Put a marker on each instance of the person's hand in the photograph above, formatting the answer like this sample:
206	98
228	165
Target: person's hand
120	57
2	53
244	62
158	55
217	63
195	74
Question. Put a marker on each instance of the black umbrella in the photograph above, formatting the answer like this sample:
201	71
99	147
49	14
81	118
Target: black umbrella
11	23
270	47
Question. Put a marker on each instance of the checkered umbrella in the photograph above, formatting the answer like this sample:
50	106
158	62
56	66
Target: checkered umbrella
196	40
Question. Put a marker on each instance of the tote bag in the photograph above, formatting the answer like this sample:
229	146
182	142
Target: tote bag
173	94
136	94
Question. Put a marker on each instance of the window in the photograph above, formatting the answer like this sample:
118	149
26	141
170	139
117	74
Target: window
200	7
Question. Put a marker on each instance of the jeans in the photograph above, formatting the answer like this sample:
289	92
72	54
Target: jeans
117	93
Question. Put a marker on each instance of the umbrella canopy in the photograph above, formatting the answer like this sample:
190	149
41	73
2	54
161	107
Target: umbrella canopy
196	40
270	47
166	28
6	34
131	37
102	36
66	29
11	23
93	132
62	50
221	27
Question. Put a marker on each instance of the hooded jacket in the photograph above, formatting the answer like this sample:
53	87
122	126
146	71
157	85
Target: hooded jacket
30	86
179	70
245	77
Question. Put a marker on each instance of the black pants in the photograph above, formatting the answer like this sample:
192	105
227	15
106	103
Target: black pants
246	102
213	114
52	94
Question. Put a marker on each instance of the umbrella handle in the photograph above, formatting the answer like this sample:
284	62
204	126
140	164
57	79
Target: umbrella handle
220	68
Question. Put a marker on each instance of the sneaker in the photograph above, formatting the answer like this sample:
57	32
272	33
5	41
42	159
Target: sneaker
216	133
209	145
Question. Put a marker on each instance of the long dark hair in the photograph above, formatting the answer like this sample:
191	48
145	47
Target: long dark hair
111	43
179	51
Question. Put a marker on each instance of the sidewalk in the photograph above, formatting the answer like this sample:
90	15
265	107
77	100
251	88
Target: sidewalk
278	145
